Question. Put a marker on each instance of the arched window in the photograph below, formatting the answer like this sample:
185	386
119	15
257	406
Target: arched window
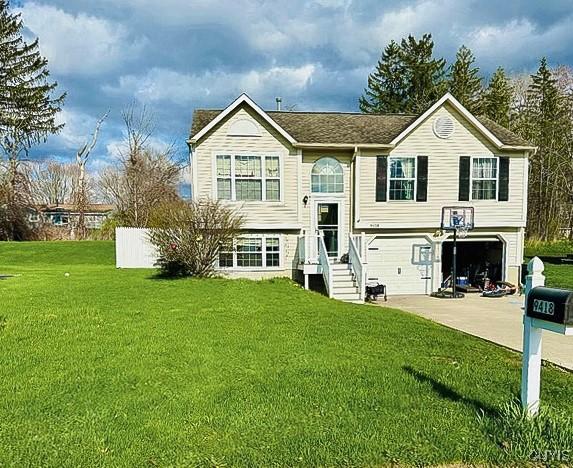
327	176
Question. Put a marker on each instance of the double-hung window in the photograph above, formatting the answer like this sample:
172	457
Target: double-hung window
247	177
251	252
272	178
402	178
224	180
484	178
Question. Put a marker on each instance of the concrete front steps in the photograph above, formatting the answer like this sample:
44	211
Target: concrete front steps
344	284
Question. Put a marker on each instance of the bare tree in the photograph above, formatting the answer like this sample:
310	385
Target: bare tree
51	182
143	176
81	198
15	201
189	236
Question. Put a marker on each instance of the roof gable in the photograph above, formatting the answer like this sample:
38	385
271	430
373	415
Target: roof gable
242	99
461	109
353	129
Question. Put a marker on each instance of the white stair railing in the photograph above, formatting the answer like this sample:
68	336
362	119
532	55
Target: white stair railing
302	248
357	264
326	265
308	247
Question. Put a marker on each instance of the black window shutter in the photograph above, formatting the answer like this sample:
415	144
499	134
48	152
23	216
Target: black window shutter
464	183
422	179
381	178
503	179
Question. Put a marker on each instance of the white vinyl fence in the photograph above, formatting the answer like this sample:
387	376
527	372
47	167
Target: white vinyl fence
133	249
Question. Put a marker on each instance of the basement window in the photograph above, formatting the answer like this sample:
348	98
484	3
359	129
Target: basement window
251	252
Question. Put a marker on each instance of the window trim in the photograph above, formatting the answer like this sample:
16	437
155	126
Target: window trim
263	178
264	266
471	197
390	178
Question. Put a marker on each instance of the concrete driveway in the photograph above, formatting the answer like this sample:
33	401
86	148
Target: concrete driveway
494	319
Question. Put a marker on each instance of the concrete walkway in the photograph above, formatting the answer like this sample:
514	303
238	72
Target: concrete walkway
494	319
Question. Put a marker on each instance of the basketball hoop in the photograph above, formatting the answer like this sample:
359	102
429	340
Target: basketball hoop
462	232
459	220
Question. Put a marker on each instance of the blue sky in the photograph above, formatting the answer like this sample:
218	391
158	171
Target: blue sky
178	55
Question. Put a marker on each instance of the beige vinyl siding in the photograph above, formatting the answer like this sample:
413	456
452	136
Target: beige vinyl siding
443	174
345	159
269	142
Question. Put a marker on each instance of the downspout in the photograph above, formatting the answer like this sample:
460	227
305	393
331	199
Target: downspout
355	193
192	168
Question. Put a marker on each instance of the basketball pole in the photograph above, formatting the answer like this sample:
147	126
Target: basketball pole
454	262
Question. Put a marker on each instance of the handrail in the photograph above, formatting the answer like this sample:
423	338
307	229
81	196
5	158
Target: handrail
357	265
308	248
325	264
302	247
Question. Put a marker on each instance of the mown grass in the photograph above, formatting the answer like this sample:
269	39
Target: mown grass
109	367
558	276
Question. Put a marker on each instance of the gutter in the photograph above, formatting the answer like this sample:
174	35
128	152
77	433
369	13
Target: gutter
351	146
357	146
533	149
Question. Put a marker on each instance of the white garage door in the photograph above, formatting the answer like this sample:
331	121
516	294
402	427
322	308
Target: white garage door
403	264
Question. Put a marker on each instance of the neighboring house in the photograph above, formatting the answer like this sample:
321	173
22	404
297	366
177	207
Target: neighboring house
65	215
314	186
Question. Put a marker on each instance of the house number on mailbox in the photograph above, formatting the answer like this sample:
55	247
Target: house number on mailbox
543	307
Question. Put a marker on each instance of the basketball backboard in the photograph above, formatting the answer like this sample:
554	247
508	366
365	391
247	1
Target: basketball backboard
457	218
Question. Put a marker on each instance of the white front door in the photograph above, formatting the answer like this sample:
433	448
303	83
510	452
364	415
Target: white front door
328	221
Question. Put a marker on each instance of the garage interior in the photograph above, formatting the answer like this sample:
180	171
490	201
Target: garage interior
475	259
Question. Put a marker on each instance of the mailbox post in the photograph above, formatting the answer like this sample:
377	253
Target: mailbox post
545	309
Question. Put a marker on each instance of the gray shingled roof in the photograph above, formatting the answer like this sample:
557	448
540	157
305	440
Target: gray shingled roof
348	128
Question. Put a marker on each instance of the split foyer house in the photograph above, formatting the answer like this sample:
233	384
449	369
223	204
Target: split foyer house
318	187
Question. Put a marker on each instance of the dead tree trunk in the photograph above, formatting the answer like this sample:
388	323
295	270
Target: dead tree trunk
81	195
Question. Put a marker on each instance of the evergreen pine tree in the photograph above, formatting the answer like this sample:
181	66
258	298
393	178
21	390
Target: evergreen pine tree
28	112
548	126
495	101
407	78
425	75
464	80
386	87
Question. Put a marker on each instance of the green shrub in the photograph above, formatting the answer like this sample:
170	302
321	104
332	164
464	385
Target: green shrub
188	236
107	230
556	248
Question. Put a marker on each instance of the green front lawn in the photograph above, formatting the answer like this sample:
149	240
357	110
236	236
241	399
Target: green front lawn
113	367
557	276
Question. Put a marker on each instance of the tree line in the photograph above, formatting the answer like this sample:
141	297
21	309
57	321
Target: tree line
142	178
408	78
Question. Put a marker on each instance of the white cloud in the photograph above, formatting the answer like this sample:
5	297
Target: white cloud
117	147
77	129
79	44
518	38
163	85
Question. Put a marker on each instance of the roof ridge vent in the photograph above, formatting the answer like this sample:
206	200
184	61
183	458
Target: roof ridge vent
444	126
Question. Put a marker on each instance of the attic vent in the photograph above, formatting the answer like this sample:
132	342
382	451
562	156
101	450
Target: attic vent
244	127
444	127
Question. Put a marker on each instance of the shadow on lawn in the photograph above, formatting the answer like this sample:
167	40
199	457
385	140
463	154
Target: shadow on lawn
449	393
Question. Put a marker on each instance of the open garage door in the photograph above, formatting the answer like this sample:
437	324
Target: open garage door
403	264
476	258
